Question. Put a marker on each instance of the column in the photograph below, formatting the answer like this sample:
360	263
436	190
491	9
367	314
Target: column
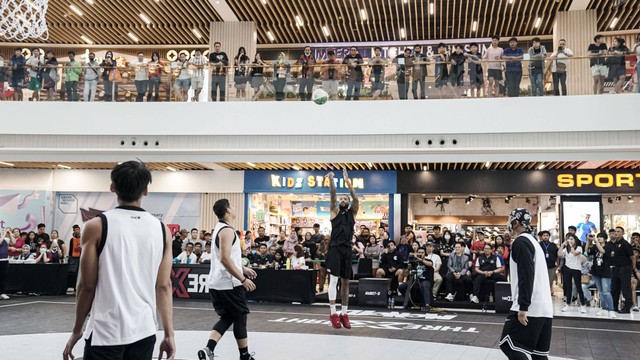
578	28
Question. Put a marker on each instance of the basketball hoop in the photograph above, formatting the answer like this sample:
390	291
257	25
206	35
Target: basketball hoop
23	19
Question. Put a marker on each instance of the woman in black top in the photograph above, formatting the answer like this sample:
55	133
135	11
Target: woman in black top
600	250
240	62
617	65
257	76
446	244
108	66
50	75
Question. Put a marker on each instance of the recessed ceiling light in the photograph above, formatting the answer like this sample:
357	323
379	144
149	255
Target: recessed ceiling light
325	31
270	36
296	168
6	163
402	33
487	164
171	168
133	37
75	10
475	26
431	8
538	22
510	1
86	39
251	164
90	2
424	168
145	18
613	22
542	166
64	166
299	21
370	165
196	33
363	14
264	2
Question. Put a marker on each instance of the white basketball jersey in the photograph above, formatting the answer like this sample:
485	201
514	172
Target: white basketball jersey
124	306
219	277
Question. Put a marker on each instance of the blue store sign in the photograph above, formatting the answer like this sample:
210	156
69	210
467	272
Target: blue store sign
365	182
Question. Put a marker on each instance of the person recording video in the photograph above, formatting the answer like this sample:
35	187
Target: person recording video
420	273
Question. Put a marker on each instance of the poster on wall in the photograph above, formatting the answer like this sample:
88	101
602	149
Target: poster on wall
25	209
584	215
171	208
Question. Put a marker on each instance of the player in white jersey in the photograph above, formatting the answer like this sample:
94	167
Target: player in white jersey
527	330
123	296
229	282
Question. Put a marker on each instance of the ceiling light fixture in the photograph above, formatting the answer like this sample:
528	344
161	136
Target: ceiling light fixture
251	164
369	164
402	33
196	33
613	22
299	21
171	168
538	22
542	166
133	37
487	164
145	19
510	1
475	26
363	14
296	167
6	163
75	10
325	31
431	8
264	2
90	2
64	166
86	39
270	36
424	168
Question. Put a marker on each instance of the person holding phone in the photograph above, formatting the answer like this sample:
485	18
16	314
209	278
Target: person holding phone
571	251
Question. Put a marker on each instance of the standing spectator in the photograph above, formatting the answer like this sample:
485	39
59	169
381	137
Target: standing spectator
494	72
55	239
383	237
262	237
156	68
109	67
514	67
499	241
458	271
257	76
31	241
476	75
91	74
3	78
74	245
140	68
15	246
310	247
617	63
55	254
550	254
457	69
195	239
437	264
537	54
317	237
331	75
489	266
307	62
42	236
18	67
248	242
477	247
419	72
72	72
403	73
442	59
35	77
373	251
636	50
289	245
378	65
323	249
624	267
281	67
241	69
571	251
601	251
183	82
599	70
559	67
635	279
353	63
187	256
6	240
196	64
220	61
176	246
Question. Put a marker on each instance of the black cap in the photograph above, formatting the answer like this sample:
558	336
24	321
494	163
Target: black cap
76	227
208	243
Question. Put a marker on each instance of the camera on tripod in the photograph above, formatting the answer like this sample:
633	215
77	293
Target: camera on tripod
413	263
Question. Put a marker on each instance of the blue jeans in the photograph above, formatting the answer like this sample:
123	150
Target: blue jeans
141	89
604	288
537	88
72	90
353	90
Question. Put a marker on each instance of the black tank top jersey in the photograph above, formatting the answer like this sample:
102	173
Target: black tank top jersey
342	228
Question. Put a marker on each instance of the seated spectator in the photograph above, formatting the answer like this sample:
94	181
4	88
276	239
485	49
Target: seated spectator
414	249
205	258
499	240
279	261
297	260
25	256
281	239
41	255
458	271
207	237
197	251
391	265
437	263
289	245
477	247
373	251
489	266
55	253
187	256
423	276
262	258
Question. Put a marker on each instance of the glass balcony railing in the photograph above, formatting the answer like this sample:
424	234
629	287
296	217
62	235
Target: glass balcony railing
388	79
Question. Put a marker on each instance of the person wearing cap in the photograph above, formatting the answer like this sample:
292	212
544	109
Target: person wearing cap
527	330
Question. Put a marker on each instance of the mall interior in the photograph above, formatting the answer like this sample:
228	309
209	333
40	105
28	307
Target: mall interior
258	101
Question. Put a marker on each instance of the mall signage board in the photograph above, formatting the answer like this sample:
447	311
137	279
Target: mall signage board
520	182
365	182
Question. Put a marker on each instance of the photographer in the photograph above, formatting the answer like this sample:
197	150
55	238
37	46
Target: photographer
421	270
458	265
489	266
571	251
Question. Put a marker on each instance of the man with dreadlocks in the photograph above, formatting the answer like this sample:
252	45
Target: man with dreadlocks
527	330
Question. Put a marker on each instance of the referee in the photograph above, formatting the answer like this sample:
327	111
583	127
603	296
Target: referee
123	296
229	282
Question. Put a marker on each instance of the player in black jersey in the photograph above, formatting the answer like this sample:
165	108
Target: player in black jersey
343	219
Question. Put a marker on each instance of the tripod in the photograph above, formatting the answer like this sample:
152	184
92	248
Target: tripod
412	282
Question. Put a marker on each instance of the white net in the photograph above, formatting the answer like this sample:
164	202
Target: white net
23	19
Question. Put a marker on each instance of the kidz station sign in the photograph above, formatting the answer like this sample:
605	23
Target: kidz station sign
369	182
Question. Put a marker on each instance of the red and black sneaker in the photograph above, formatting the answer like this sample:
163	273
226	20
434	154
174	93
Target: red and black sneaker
335	321
344	319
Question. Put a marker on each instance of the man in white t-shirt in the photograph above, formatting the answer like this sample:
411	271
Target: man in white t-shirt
187	256
196	64
437	264
559	65
142	76
205	258
35	83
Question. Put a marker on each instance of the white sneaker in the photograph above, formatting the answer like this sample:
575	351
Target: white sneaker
635	308
612	314
450	297
599	312
4	297
583	309
474	299
565	308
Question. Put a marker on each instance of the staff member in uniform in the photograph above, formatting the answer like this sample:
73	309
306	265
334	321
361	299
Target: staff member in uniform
550	254
624	263
123	296
229	282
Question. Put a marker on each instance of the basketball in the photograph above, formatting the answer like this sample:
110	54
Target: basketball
320	97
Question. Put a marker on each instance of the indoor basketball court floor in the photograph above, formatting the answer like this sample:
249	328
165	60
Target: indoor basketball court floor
38	328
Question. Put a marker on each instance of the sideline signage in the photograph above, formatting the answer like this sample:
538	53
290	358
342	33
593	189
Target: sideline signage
366	182
520	182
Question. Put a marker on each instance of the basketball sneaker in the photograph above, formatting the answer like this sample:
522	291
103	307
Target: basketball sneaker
344	319
205	354
335	321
